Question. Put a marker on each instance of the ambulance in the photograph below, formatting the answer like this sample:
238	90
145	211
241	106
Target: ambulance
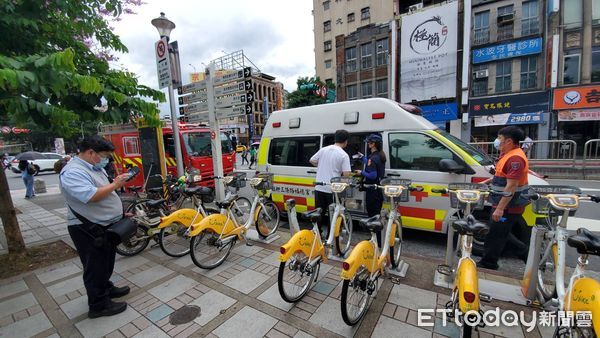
195	147
415	149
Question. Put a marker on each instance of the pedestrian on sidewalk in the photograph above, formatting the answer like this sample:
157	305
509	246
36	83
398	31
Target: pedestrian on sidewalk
27	172
92	206
252	156
245	156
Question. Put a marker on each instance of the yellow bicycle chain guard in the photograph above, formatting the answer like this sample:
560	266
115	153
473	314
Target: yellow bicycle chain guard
182	216
216	223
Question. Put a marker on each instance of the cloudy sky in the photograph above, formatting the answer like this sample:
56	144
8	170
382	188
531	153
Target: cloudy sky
277	36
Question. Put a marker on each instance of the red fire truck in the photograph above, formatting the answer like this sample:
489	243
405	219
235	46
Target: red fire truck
132	144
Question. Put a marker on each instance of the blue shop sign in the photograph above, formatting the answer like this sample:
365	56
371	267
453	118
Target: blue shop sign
526	118
440	112
507	50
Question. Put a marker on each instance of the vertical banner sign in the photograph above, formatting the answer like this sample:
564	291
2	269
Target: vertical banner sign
59	146
163	64
428	54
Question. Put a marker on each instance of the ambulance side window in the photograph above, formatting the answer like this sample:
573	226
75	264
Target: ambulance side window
295	151
413	151
169	145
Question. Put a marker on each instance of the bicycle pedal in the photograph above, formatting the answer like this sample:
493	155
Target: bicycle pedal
444	270
485	297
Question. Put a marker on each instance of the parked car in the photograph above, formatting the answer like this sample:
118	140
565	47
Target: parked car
42	162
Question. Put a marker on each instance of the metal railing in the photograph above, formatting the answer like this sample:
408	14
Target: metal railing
591	151
506	32
560	151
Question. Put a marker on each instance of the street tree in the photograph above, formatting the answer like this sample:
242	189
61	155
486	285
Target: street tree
305	97
54	69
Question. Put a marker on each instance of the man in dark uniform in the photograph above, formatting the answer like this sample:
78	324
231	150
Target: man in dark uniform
510	177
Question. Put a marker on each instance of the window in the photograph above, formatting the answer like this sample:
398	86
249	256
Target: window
295	152
528	72
327	64
505	22
480	80
326	5
327	46
328	81
382	51
365	14
131	146
350	17
481	27
169	143
572	13
382	88
530	23
503	79
366	55
198	144
366	89
327	26
596	65
571	68
351	59
414	151
351	92
595	12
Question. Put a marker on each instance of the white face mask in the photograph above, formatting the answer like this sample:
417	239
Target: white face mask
497	143
103	162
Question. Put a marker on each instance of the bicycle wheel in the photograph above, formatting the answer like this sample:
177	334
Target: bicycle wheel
396	249
241	209
295	277
546	272
355	299
343	240
267	221
174	240
208	251
135	244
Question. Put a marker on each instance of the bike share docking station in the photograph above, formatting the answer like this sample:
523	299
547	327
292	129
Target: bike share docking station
252	235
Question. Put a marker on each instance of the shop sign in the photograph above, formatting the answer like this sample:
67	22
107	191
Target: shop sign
578	115
509	119
440	112
510	104
507	50
576	97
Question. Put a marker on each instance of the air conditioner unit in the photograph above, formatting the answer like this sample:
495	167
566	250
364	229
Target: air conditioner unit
481	74
415	7
506	18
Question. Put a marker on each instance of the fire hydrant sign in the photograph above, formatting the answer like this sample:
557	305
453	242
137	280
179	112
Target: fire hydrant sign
163	65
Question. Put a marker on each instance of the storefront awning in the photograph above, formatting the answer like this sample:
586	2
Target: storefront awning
579	115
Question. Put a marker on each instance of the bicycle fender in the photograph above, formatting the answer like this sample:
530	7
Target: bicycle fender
585	296
214	222
467	281
393	234
301	241
338	226
183	216
361	255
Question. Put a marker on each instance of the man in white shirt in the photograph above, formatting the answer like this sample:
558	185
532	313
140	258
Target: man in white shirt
331	161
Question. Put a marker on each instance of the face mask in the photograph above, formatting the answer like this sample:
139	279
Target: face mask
497	144
103	162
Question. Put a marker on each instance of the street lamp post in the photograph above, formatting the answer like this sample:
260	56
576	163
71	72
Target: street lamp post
164	27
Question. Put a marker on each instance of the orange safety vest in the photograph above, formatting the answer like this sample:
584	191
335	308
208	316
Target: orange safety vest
502	162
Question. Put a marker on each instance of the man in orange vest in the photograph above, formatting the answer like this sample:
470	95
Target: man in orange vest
510	177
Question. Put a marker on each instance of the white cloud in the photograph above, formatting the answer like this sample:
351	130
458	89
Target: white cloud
277	36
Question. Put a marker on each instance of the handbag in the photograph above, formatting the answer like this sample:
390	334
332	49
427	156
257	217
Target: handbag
120	231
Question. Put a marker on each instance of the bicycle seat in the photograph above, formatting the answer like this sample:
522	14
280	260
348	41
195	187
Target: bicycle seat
471	226
135	188
226	203
204	191
373	224
585	242
313	215
291	203
157	190
153	204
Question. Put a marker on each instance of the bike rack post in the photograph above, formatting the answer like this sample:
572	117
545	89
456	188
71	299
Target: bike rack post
444	280
529	282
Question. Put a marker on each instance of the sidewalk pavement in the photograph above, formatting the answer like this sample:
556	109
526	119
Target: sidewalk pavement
239	298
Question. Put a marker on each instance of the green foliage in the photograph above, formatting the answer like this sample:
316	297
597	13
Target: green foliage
306	97
50	73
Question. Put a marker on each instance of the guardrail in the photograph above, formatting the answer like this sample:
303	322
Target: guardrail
591	151
561	151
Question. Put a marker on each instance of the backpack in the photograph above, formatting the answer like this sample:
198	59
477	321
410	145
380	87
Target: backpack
30	169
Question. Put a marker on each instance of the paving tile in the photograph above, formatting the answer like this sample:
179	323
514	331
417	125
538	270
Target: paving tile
248	320
27	327
211	304
127	263
302	334
17	304
75	307
272	297
387	327
151	332
148	276
172	288
159	313
449	329
247	262
275	334
99	327
247	280
57	272
417	298
129	330
247	251
323	287
213	272
329	315
183	262
272	259
66	286
285	328
12	288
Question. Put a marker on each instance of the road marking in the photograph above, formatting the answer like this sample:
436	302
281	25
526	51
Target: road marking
575	223
589	189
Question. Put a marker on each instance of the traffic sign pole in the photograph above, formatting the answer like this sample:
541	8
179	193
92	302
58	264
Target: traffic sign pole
214	129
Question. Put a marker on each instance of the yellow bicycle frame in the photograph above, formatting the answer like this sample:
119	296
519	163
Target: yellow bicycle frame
182	216
363	255
467	281
303	241
585	296
219	224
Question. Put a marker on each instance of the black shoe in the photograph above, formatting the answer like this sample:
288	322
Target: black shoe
484	265
111	309
117	292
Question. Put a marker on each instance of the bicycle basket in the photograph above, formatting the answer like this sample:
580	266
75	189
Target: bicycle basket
239	180
543	207
405	196
456	204
350	190
266	183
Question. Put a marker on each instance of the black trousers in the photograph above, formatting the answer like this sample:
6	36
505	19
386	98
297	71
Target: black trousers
323	200
374	202
98	265
498	236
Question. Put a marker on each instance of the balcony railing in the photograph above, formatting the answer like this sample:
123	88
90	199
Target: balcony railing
530	26
505	32
482	35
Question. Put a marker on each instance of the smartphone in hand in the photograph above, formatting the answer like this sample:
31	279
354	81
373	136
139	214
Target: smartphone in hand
133	171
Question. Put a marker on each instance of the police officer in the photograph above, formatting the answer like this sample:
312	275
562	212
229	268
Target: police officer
510	177
373	173
92	205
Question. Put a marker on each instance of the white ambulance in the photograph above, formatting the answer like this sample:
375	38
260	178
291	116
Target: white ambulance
415	149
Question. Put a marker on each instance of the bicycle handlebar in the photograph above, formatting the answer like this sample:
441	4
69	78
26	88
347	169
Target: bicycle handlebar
410	188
